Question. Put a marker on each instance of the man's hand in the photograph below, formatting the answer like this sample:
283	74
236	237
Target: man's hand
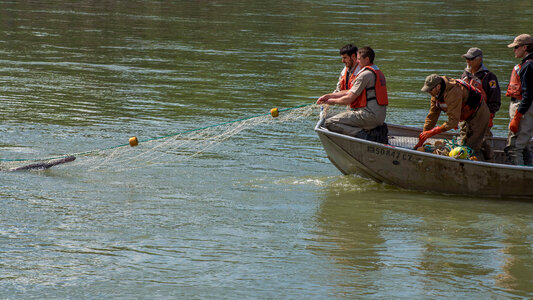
323	99
424	135
515	122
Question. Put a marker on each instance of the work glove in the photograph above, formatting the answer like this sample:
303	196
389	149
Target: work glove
515	122
490	120
427	134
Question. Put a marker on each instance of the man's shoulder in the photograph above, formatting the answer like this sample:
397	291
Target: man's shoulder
489	73
449	80
488	76
452	85
528	63
527	70
366	72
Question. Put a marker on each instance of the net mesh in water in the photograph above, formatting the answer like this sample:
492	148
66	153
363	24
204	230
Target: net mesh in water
157	151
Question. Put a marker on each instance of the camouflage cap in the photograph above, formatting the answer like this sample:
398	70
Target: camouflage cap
473	53
431	82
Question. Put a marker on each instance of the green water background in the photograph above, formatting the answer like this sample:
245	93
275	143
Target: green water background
263	214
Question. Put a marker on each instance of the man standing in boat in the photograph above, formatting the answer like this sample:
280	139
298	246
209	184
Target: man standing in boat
477	75
348	55
367	99
520	90
461	102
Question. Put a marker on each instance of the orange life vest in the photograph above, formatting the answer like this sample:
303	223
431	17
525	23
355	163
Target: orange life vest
347	83
514	89
380	87
478	84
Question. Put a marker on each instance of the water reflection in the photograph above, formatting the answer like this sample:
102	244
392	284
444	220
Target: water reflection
427	244
84	75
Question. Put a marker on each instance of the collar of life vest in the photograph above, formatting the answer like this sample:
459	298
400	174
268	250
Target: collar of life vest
364	68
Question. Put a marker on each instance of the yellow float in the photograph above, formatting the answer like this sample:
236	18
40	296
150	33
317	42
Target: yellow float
274	112
459	152
134	141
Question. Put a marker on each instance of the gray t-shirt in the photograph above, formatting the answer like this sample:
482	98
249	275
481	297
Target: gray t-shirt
366	79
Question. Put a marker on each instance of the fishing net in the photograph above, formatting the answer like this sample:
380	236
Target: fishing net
159	150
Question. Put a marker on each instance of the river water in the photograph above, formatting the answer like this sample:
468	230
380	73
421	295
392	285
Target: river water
234	208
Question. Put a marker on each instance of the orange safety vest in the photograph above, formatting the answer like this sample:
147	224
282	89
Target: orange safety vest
478	84
514	89
345	83
380	87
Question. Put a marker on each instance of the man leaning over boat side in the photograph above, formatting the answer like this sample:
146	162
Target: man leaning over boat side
348	55
477	75
367	100
520	90
461	102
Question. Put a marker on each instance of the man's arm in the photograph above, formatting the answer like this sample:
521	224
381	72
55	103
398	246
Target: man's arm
433	115
346	97
338	98
494	97
527	86
325	99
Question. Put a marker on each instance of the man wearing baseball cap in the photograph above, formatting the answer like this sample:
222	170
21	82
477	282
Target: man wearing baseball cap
461	102
477	75
520	90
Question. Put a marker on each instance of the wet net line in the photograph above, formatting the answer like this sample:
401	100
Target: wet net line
182	146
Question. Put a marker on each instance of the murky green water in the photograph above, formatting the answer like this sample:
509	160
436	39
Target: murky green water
259	213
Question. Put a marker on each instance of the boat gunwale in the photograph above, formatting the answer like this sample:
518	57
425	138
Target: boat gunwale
320	129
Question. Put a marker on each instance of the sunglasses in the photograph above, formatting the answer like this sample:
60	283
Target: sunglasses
517	46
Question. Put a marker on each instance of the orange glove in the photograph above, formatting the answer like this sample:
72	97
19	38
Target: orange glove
427	134
490	120
515	122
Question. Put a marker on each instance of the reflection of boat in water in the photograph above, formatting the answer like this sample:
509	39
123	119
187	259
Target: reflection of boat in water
388	242
397	164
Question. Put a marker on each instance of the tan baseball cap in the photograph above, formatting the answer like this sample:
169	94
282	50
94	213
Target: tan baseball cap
473	53
523	39
431	82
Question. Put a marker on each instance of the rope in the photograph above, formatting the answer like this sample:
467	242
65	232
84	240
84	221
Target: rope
153	139
453	143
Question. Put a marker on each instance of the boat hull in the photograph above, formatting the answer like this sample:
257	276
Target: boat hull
417	170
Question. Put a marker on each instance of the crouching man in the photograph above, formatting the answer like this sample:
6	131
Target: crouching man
367	100
461	102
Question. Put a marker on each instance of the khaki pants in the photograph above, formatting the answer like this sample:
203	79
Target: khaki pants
474	129
353	121
517	143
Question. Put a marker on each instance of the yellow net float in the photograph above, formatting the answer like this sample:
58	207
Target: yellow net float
134	141
274	112
459	152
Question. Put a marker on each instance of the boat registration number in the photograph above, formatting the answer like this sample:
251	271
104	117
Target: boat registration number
390	153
